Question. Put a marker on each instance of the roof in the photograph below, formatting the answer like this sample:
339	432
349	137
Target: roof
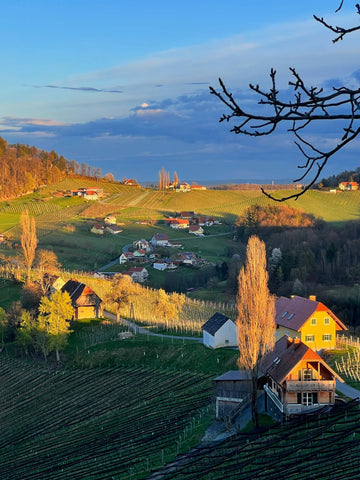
287	353
215	323
161	236
293	312
233	375
77	289
194	228
137	269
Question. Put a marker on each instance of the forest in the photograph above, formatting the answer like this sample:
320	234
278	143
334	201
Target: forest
24	169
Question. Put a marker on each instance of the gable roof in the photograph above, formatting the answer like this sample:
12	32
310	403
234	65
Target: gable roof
78	289
287	353
293	312
215	323
161	236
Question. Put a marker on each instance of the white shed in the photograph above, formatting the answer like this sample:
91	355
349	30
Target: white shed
219	331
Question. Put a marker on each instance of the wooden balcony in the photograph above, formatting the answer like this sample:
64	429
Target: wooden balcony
310	385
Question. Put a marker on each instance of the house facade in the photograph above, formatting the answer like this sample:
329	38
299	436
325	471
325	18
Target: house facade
298	380
196	230
84	300
98	229
137	274
219	331
348	186
126	257
159	240
308	320
233	390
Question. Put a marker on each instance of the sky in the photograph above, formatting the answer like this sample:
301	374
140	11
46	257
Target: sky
124	86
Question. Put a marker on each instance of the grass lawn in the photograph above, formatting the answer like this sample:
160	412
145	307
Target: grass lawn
9	292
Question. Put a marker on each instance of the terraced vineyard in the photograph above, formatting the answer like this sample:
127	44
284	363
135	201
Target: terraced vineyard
97	423
321	447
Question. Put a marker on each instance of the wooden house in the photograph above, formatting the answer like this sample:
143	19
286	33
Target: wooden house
219	331
298	380
309	320
83	299
233	389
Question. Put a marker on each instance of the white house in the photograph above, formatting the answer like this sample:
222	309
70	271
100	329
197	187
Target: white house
138	274
159	240
219	331
126	257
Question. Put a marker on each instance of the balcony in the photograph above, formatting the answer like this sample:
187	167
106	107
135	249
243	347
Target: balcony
310	385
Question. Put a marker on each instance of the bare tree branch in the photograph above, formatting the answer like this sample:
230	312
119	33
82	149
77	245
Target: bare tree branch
340	31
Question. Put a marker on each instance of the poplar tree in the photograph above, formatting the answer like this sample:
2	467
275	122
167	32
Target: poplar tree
28	240
256	315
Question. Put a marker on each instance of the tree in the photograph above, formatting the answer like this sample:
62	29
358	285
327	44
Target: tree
28	240
308	106
24	335
54	321
47	265
256	315
3	327
168	306
121	292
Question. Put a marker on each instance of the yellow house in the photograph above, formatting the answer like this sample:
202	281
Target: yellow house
310	321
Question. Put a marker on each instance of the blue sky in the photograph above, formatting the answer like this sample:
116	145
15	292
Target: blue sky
124	86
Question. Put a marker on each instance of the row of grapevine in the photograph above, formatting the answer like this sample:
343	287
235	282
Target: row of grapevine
96	423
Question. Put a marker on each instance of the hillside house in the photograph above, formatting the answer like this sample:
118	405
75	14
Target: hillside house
113	229
98	229
205	221
159	240
126	257
131	182
219	331
83	299
142	244
179	223
187	214
187	258
183	187
139	253
198	187
196	230
298	380
348	186
233	389
310	321
137	274
90	195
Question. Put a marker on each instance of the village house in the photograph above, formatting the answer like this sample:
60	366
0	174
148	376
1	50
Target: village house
113	229
196	230
219	331
126	257
159	240
90	195
298	380
187	258
310	321
197	187
179	223
142	244
183	187
137	274
348	186
84	300
98	229
141	252
164	264
205	221
132	182
187	214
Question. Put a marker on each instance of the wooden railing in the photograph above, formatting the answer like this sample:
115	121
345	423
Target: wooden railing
311	385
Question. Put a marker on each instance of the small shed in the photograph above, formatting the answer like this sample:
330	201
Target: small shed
84	300
219	331
232	391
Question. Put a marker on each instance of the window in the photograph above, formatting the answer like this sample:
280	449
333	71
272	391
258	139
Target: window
309	338
327	321
313	321
284	314
326	337
291	315
307	374
308	399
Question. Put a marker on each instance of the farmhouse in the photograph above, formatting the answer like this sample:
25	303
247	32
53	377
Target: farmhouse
137	274
197	187
126	257
142	244
187	214
219	331
98	229
298	380
205	221
348	186
179	223
310	321
159	240
110	220
183	187
196	230
113	229
187	258
83	299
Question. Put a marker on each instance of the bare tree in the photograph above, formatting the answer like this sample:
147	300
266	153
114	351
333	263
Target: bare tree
308	105
256	315
28	240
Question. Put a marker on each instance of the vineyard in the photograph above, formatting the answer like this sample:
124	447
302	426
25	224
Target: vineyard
95	423
322	447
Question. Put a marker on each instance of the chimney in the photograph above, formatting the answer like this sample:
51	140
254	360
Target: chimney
312	297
